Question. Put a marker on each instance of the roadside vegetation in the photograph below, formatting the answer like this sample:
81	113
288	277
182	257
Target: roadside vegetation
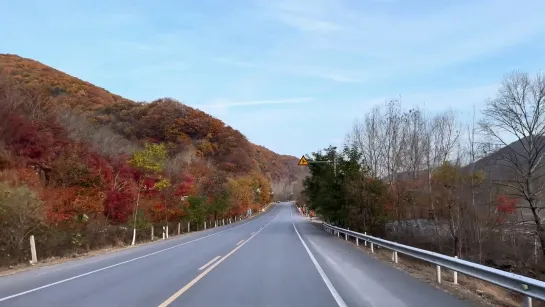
466	185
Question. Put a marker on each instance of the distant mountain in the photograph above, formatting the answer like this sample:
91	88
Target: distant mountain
499	167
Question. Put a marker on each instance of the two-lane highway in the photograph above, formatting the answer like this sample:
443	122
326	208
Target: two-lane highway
277	259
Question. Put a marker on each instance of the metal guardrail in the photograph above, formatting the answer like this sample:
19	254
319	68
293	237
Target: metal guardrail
531	288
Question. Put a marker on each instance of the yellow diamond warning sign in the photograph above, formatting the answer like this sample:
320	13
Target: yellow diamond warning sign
303	161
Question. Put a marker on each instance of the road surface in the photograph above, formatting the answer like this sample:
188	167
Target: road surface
277	259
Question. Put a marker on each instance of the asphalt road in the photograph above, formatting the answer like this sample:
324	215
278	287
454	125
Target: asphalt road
277	259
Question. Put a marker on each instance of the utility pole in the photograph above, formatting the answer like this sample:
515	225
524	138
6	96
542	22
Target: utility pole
335	164
335	161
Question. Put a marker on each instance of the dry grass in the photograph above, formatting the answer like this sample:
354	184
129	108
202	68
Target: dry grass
475	291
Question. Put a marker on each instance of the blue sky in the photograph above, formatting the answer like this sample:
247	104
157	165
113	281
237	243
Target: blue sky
291	75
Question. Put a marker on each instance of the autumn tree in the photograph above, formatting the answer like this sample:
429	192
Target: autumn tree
449	184
149	161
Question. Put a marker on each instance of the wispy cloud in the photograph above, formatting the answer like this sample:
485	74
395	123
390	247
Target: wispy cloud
234	62
395	41
309	24
331	74
165	67
226	103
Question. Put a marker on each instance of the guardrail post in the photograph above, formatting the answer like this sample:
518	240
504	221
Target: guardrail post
365	241
455	275
357	241
372	247
338	234
438	274
33	250
166	233
346	236
527	302
152	233
179	228
394	257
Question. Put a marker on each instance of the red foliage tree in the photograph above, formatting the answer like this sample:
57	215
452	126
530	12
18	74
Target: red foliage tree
118	206
506	204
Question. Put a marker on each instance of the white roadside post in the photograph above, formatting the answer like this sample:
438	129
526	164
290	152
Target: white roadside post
179	228
33	250
455	275
365	241
204	225
528	301
188	226
163	232
151	232
438	274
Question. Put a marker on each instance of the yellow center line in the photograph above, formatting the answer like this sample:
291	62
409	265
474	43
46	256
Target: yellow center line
194	281
240	242
208	263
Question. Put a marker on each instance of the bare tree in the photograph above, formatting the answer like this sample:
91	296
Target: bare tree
518	111
101	138
282	189
392	138
446	136
414	141
180	162
367	138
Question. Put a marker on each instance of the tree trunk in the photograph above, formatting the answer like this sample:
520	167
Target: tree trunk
135	212
539	229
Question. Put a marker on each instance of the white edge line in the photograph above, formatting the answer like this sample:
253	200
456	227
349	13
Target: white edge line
120	263
240	242
327	282
209	263
253	232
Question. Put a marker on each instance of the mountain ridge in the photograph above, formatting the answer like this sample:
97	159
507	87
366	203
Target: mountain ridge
86	98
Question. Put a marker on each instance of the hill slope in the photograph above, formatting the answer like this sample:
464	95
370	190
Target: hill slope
164	120
80	167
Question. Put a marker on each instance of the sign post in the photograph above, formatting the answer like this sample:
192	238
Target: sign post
305	161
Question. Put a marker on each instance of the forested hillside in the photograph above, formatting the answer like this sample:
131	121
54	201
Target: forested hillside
79	165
